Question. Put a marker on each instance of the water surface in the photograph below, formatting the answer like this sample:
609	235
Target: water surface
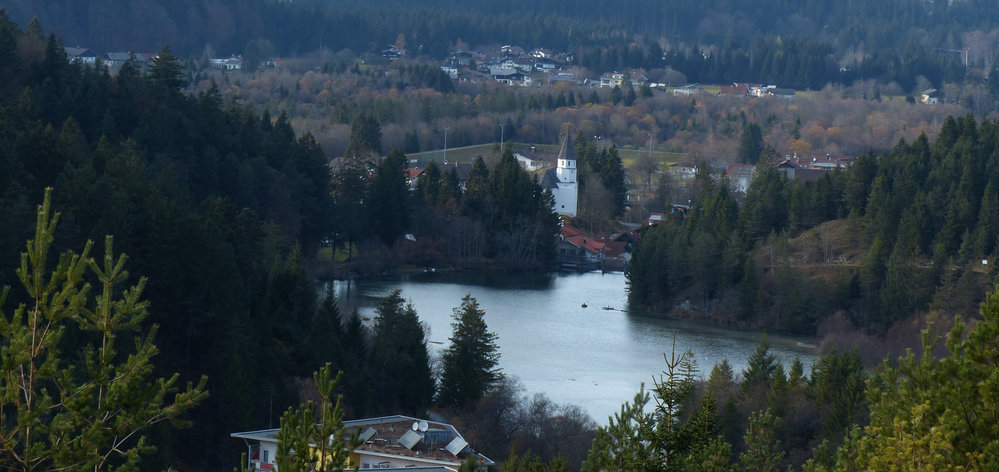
595	356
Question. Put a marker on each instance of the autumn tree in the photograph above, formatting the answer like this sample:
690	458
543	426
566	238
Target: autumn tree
89	407
470	362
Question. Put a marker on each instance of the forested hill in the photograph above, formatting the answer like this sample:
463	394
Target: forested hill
216	204
918	222
297	27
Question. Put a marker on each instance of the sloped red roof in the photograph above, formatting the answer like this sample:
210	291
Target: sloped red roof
614	248
570	230
413	173
588	244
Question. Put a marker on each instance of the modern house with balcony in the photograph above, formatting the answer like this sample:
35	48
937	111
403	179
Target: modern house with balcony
388	442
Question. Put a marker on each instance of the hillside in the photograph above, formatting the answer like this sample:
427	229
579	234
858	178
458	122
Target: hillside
891	236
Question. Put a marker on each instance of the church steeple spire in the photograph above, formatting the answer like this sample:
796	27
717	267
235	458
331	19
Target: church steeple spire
566	171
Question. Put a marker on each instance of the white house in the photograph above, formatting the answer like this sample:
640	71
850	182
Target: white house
529	160
388	442
561	180
81	56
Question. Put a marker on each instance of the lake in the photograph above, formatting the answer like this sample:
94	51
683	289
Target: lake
595	356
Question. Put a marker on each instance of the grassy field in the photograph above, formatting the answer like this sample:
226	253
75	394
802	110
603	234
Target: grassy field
469	153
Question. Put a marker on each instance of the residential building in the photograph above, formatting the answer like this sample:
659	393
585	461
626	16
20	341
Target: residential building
739	176
387	442
530	160
577	250
929	96
683	170
612	79
230	63
689	89
81	56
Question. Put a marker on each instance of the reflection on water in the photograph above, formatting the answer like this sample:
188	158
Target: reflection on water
596	356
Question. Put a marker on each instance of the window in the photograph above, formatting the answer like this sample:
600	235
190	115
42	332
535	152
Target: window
267	456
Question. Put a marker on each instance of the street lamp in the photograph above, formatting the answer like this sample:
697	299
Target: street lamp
501	137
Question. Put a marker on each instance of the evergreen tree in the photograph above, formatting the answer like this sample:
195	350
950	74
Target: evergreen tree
167	70
387	199
365	137
470	362
349	192
400	360
750	143
90	409
306	446
428	184
930	413
760	367
763	451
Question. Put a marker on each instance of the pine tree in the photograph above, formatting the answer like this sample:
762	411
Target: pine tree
750	143
167	70
306	446
388	197
470	362
88	408
763	451
930	413
400	359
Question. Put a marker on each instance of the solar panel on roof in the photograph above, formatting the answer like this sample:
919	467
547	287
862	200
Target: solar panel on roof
367	434
410	439
456	446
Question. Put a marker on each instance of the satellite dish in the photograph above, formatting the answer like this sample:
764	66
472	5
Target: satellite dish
416	426
424	425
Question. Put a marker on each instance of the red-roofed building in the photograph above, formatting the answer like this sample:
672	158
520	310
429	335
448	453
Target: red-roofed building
411	176
579	251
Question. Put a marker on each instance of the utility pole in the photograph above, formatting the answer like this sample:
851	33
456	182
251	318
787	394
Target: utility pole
501	137
445	145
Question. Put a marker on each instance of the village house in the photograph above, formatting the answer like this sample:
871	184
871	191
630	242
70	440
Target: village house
611	79
818	162
229	63
81	56
460	170
683	170
929	97
689	89
531	160
577	250
739	176
388	442
412	175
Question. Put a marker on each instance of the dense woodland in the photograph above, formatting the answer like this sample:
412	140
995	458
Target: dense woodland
221	208
801	45
924	212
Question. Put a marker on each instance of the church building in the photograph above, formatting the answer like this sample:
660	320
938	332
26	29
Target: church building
561	180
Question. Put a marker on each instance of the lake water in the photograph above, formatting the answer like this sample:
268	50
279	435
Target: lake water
596	356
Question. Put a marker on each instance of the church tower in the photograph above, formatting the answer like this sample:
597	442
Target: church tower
567	162
566	195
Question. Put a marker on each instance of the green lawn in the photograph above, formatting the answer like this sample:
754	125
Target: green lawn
469	153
